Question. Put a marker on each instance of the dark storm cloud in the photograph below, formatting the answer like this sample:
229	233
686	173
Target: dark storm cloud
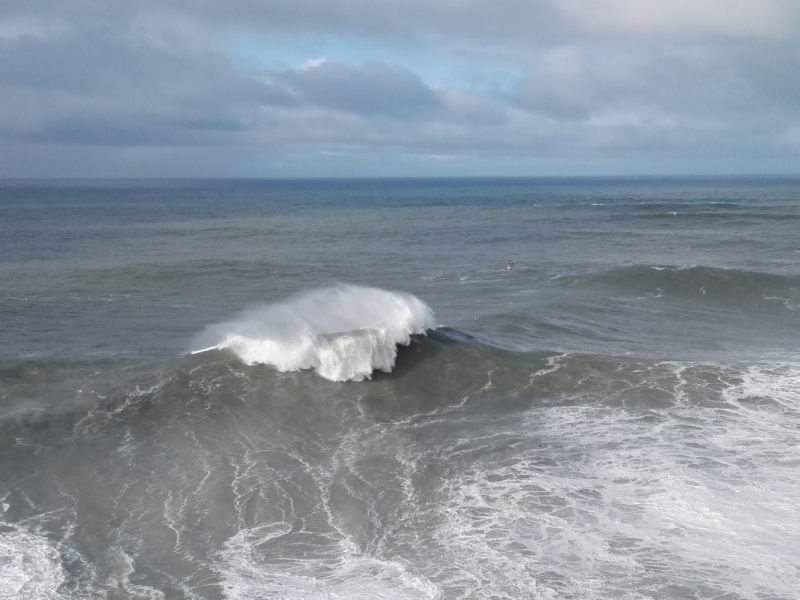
624	84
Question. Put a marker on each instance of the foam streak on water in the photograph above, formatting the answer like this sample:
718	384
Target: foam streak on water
615	418
627	495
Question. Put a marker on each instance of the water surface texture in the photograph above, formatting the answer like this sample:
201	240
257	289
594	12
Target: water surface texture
335	389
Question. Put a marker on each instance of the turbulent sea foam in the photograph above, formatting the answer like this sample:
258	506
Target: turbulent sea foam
344	332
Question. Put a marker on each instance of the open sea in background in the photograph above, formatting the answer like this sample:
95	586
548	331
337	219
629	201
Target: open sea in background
333	389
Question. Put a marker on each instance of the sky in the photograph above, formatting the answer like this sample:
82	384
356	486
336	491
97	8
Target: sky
363	88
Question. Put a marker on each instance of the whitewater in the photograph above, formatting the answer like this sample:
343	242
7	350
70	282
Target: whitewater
343	332
230	390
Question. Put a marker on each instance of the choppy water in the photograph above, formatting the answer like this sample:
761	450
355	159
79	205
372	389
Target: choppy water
332	389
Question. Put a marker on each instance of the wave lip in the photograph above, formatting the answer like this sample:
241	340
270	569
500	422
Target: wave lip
343	332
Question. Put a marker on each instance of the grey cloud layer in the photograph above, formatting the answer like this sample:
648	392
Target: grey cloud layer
651	85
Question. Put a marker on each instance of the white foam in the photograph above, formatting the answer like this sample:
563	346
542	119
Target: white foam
350	577
598	500
29	567
342	332
123	568
777	381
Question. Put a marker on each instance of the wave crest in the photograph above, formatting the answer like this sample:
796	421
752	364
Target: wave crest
726	286
343	332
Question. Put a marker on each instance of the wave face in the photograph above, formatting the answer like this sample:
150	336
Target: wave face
731	287
344	332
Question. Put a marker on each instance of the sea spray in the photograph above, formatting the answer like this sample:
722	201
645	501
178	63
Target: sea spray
343	332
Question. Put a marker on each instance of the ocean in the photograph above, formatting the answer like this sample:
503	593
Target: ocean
340	389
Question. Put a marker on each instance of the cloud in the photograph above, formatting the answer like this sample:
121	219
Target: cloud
762	19
370	89
790	138
625	85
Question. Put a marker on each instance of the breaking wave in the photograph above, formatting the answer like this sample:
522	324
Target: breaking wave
343	332
29	566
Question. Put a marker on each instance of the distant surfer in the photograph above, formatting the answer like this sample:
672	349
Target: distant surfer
510	265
